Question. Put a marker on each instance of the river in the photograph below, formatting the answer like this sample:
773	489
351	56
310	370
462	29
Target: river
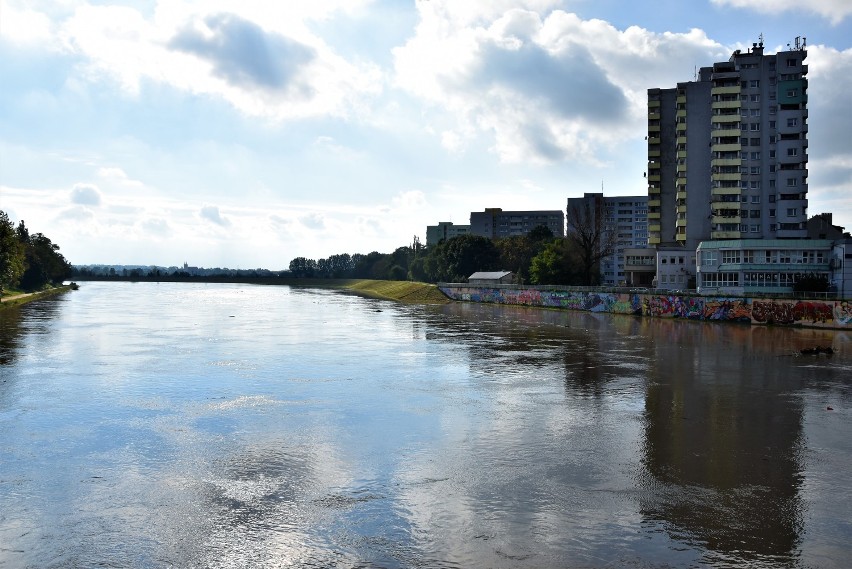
193	425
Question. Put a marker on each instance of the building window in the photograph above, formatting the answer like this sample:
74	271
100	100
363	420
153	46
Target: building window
793	122
754	229
771	124
755	142
708	258
773	110
792	151
771	139
755	185
792	182
755	112
772	153
730	256
792	212
755	155
791	62
755	169
771	168
792	93
755	98
756	199
771	213
771	184
755	126
754	214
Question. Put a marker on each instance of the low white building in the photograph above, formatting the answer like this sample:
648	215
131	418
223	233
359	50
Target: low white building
744	266
491	278
675	268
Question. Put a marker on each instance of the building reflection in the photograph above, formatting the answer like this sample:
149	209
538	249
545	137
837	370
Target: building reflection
723	444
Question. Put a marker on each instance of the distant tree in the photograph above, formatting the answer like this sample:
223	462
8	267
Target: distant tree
554	264
44	264
302	267
457	258
517	252
370	266
540	233
587	231
12	257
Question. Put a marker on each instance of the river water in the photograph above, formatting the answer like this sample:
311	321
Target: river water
192	425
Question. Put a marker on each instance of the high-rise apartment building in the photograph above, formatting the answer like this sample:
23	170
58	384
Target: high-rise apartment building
625	222
727	152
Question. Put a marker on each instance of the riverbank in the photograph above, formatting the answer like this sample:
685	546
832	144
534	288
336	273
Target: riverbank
406	292
8	301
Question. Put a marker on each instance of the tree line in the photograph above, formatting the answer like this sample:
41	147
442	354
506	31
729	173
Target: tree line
536	258
28	262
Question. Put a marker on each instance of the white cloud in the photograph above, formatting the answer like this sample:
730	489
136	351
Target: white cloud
834	10
411	200
211	214
263	62
547	86
21	25
86	194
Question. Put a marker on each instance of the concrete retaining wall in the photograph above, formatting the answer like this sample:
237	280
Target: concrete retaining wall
786	312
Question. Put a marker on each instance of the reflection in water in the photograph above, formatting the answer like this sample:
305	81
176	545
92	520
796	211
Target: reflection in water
233	426
723	440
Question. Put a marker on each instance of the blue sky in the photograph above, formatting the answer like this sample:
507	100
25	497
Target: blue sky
243	134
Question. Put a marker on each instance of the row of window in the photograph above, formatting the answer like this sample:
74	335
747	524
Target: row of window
751	279
709	258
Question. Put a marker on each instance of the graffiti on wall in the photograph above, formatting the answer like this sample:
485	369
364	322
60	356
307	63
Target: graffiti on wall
816	313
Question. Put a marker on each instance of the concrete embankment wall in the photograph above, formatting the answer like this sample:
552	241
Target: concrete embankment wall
786	312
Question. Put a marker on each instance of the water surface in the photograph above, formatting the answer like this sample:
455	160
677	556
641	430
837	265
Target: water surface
191	425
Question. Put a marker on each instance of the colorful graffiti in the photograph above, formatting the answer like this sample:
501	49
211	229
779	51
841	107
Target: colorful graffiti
813	313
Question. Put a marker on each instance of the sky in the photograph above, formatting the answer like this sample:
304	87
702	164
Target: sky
242	134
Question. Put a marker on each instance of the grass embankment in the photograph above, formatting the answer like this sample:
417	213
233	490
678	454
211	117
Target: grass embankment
401	291
16	298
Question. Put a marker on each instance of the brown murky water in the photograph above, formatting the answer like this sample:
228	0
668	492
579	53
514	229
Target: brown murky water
146	425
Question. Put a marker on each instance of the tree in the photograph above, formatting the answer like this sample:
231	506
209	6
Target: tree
44	263
457	258
303	267
11	254
587	231
553	265
517	252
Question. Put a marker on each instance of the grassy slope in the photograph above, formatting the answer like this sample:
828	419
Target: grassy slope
401	291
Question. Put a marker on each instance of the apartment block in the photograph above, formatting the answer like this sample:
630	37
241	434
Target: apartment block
444	230
727	152
625	221
495	223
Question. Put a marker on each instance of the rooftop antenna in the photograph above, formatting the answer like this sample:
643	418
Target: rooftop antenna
760	37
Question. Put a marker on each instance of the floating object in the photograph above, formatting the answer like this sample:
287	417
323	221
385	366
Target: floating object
817	350
829	408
